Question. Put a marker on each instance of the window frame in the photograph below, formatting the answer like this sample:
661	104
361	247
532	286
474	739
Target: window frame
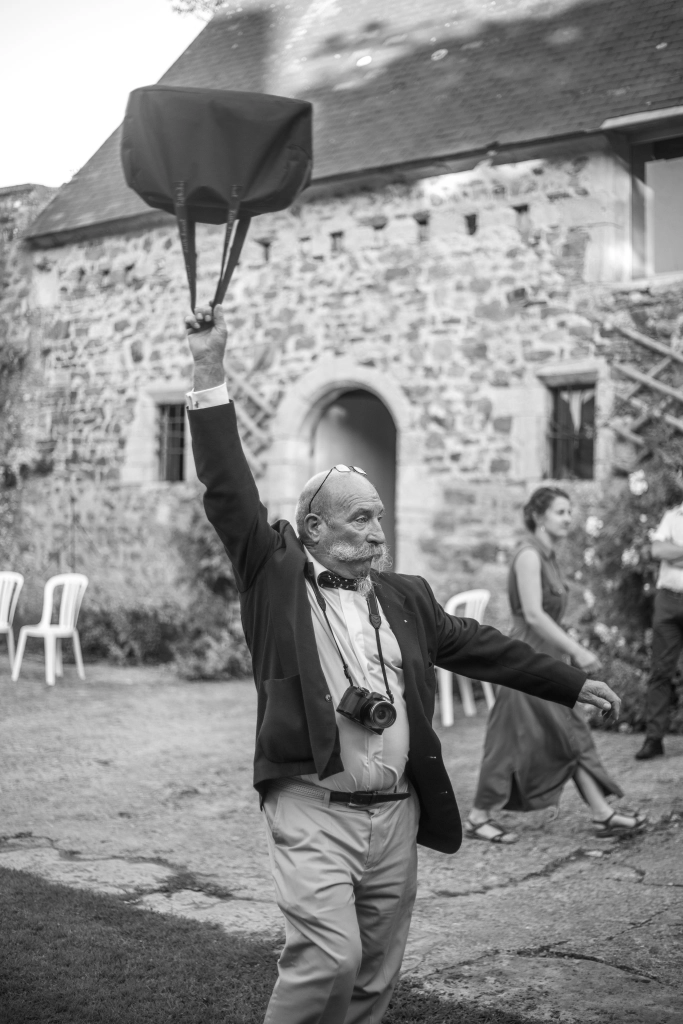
553	438
164	455
141	459
590	371
640	139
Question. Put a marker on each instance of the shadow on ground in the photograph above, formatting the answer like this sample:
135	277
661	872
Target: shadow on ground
76	957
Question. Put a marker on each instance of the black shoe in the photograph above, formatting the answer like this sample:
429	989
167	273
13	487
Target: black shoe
650	748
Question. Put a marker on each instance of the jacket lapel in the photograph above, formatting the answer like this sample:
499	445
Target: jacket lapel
402	622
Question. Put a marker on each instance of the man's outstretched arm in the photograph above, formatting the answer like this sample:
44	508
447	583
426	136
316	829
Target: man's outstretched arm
482	652
231	500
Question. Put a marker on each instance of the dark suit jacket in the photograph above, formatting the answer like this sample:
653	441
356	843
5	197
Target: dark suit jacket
296	730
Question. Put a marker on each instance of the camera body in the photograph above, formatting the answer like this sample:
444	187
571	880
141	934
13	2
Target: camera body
367	708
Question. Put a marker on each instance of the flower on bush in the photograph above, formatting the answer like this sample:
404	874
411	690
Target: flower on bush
630	558
637	483
609	635
602	632
614	575
593	526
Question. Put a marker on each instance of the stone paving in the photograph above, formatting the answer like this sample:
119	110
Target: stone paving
136	784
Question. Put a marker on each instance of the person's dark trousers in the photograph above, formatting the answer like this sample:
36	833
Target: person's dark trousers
667	644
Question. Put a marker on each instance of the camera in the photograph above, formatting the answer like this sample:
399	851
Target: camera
369	709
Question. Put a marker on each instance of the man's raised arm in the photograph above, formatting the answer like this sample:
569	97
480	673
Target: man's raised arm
231	500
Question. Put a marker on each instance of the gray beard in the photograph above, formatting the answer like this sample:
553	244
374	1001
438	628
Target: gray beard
364	586
342	551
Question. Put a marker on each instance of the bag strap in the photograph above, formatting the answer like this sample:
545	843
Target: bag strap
186	230
235	250
231	251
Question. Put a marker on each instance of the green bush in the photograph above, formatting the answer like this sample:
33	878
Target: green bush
203	635
610	557
129	636
201	640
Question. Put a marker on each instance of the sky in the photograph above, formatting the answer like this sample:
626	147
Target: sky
66	69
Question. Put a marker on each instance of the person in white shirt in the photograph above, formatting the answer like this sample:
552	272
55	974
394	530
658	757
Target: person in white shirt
667	631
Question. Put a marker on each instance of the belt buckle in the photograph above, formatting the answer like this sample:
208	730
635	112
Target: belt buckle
360	799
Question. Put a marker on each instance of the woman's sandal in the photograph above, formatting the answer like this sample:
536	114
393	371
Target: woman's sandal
609	828
473	831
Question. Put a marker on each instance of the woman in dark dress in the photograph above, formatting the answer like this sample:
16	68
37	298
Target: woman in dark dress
534	747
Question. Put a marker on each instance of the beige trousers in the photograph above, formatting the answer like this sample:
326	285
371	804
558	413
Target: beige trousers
345	880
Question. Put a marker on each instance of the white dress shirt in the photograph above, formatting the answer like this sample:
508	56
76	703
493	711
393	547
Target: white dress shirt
371	761
670	530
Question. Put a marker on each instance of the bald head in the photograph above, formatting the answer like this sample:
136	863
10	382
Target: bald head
343	530
338	492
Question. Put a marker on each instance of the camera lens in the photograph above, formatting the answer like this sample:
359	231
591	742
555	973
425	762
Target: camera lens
382	715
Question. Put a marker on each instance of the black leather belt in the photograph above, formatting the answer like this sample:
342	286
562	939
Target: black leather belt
361	798
365	799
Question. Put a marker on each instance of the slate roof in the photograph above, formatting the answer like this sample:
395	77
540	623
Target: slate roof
446	77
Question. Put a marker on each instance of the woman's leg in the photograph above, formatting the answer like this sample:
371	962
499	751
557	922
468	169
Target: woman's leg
480	825
478	815
595	798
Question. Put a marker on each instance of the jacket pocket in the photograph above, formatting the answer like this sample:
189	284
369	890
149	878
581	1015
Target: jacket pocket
283	736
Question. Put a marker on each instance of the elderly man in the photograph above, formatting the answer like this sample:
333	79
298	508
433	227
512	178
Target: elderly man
347	764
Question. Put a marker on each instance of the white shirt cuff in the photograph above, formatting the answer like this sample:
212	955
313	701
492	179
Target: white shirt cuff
208	398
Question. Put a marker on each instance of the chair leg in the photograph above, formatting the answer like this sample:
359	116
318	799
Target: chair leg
466	696
50	659
489	694
10	648
77	654
59	671
446	696
18	658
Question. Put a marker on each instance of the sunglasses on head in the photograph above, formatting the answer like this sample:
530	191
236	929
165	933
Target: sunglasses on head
341	468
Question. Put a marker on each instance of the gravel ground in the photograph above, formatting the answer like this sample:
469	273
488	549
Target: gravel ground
136	783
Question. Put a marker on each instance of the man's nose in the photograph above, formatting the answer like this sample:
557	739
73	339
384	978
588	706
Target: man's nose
375	533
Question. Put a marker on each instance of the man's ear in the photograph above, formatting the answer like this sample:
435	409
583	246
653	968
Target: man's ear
312	525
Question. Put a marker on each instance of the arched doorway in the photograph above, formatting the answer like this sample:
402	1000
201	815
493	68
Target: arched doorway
356	428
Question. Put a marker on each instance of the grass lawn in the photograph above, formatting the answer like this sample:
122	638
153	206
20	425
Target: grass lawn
72	957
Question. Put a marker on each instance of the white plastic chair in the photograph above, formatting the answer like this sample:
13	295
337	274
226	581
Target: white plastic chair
470	604
73	588
10	588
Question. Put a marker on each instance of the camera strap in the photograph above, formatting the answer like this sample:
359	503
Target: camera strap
309	573
375	622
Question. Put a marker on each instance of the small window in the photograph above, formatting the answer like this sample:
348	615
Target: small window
422	221
571	433
337	241
171	442
378	225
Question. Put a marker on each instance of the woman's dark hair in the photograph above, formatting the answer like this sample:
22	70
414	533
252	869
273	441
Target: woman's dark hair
539	503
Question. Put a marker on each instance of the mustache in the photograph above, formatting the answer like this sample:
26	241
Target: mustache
344	551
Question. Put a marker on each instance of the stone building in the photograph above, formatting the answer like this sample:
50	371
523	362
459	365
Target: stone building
493	185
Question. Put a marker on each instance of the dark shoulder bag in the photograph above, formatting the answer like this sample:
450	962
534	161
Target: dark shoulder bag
215	157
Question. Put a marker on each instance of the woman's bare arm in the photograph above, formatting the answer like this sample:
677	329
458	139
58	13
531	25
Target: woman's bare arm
528	573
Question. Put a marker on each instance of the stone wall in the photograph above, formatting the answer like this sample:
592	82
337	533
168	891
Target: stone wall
453	290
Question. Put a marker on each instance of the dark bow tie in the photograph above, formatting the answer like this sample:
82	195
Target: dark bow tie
330	580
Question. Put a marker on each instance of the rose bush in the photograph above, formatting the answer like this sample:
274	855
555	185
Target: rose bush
610	558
